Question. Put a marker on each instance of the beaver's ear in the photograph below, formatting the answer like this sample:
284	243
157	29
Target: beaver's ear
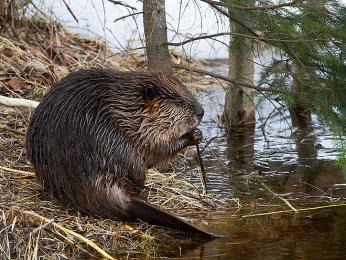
149	93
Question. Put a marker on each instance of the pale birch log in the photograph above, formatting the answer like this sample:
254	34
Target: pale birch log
18	102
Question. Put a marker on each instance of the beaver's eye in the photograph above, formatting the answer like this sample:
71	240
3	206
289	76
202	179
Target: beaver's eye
149	93
179	103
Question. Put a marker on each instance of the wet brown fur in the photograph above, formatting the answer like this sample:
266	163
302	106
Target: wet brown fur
96	133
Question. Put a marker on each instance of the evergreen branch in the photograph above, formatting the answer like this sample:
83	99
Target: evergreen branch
232	18
218	76
257	8
251	30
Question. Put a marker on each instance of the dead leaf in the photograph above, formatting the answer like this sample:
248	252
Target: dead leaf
17	86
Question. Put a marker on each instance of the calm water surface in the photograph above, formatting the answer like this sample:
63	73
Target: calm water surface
298	163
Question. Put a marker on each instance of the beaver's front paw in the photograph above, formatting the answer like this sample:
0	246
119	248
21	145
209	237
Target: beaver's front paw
195	136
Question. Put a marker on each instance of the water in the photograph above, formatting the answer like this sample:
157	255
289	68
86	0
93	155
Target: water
296	163
318	236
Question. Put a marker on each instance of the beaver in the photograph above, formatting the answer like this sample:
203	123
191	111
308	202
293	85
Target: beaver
96	132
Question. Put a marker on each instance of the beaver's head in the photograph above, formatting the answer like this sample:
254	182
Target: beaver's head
170	110
158	108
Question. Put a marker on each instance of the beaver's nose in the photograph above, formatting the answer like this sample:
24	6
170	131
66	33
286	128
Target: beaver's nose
200	112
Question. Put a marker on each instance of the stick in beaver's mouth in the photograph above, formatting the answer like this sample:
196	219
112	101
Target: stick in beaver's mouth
202	171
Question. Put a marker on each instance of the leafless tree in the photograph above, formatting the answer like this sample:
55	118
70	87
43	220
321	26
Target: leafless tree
155	29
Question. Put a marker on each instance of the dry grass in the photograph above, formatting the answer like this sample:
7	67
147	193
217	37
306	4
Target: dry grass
41	52
26	236
32	57
37	53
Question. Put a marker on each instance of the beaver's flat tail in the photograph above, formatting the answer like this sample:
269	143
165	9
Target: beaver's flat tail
113	202
140	209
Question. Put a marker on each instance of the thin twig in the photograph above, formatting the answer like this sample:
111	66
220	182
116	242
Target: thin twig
122	3
290	210
203	174
260	38
16	171
281	198
237	84
70	11
43	226
208	142
126	16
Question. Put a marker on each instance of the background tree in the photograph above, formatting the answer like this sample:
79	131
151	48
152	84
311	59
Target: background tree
155	30
239	106
311	53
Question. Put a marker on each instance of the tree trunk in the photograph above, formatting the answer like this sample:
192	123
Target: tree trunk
155	29
2	8
300	114
239	108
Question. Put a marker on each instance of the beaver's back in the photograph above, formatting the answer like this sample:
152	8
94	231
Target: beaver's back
72	140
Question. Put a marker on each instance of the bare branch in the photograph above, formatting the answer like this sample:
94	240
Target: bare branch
260	38
206	36
123	4
237	84
126	16
70	11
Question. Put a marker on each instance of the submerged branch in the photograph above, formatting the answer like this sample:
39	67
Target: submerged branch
281	198
291	210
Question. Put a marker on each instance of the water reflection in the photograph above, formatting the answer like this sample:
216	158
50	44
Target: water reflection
304	137
240	148
306	146
296	160
322	236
